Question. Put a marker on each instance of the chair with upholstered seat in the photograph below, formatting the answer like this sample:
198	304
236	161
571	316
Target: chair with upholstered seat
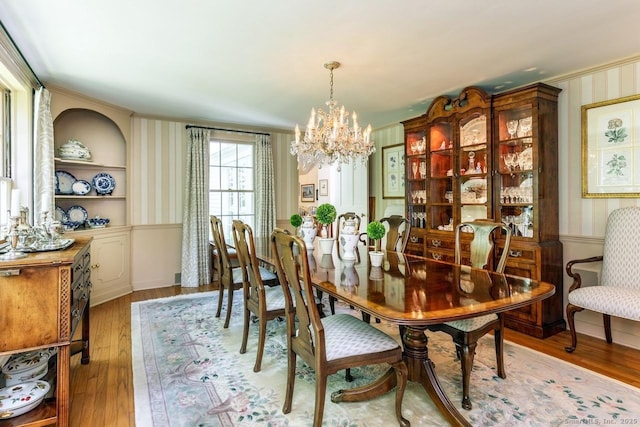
466	332
331	343
265	302
618	293
230	274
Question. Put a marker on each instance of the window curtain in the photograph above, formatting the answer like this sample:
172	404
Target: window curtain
43	180
265	199
195	212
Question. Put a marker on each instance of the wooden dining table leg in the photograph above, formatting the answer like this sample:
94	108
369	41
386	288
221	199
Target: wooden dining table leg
422	370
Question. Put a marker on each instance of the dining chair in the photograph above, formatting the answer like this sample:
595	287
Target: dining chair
618	293
264	302
398	231
331	343
466	332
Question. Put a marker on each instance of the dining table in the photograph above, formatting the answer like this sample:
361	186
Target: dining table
414	292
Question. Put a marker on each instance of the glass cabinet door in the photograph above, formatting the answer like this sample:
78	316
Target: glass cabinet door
441	175
416	174
516	160
474	158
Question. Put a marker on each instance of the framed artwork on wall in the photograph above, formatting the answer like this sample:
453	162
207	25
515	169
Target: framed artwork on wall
611	148
308	192
393	172
324	187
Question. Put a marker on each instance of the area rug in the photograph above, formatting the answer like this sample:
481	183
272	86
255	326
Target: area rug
188	372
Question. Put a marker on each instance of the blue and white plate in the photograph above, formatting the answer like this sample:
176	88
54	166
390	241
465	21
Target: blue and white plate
81	187
77	214
104	183
64	182
60	214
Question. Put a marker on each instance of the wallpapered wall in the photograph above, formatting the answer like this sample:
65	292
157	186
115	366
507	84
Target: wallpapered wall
157	178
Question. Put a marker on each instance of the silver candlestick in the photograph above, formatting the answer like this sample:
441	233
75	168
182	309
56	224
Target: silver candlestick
13	235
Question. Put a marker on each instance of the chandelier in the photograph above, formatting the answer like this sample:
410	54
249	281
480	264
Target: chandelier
328	138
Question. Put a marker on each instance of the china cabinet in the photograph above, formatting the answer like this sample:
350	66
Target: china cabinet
45	298
491	156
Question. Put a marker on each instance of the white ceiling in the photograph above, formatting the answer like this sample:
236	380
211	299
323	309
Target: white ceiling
260	63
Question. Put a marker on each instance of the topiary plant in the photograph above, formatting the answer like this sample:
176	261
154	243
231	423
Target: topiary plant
326	214
376	231
295	220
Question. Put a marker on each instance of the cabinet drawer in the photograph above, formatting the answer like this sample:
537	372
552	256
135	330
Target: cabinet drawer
438	244
440	255
25	307
519	255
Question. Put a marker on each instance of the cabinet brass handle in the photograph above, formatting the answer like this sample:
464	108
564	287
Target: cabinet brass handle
515	254
437	257
436	243
12	272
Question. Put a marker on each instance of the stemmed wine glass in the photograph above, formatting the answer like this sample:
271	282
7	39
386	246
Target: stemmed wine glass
510	160
525	126
512	128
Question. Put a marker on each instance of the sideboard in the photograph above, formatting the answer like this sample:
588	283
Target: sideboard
44	298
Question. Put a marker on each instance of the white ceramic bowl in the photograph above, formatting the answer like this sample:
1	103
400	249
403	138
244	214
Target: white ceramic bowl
27	366
21	398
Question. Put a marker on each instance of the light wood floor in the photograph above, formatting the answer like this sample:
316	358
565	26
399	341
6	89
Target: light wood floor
102	391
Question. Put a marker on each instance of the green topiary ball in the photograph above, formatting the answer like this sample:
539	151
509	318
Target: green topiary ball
375	230
326	213
295	220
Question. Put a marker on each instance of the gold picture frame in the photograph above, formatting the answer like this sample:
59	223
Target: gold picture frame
393	172
308	192
611	148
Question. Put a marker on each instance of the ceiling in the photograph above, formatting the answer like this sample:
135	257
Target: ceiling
260	63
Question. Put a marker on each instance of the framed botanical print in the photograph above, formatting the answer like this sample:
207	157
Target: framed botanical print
393	172
323	185
611	148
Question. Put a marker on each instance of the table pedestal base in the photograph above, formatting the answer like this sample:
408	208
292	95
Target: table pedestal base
421	369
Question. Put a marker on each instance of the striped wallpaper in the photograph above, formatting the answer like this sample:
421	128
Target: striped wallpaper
156	175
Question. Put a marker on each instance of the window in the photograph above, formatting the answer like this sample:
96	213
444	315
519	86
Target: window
231	183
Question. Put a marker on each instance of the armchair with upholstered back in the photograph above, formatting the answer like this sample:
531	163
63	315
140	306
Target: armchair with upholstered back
466	333
618	293
331	343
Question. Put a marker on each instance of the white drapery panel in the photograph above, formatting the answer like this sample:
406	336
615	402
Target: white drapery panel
195	213
265	198
43	153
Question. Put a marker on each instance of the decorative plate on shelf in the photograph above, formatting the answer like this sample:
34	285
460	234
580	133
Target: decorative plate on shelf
60	214
104	183
81	187
64	182
77	214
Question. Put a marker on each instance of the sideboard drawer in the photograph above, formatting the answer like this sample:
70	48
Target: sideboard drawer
22	312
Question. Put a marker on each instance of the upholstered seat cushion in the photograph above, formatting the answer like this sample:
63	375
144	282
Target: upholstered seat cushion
266	275
612	300
346	335
274	297
468	325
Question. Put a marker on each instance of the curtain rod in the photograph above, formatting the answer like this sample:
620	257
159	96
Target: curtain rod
227	130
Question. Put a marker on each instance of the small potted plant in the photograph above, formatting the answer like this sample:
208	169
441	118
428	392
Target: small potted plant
376	231
325	215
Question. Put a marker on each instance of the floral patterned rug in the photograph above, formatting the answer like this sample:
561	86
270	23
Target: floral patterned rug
188	372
